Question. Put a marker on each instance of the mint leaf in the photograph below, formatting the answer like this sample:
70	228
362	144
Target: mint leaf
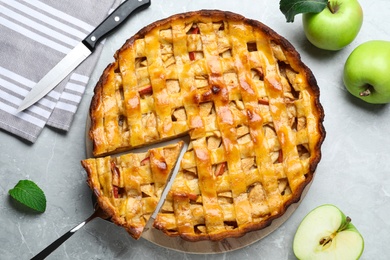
290	8
29	194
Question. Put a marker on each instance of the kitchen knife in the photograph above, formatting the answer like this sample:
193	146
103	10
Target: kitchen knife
81	51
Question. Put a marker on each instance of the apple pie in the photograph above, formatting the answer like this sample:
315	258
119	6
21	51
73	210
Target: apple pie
241	93
128	187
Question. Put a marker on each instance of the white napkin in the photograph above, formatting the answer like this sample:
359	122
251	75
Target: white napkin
34	36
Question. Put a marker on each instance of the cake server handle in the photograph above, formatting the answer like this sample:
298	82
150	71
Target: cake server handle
53	246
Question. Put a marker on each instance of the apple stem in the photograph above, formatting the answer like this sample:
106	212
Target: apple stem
347	221
330	7
333	7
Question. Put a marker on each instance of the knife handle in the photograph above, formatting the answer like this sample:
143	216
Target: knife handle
116	18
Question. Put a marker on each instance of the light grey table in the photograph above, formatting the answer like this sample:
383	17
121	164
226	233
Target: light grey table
354	173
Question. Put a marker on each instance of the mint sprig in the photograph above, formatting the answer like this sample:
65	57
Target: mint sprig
29	194
290	8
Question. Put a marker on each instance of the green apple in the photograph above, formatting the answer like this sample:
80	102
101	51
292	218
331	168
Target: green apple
334	27
326	233
367	72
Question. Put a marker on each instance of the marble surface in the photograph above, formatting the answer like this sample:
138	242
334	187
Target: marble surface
353	174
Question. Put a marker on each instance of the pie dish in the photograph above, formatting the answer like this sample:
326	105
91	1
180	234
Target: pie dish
241	93
128	187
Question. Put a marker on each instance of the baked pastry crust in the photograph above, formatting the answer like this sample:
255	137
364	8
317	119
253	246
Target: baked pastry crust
249	104
129	187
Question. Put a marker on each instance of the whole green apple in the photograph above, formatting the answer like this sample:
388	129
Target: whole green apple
336	26
326	233
367	72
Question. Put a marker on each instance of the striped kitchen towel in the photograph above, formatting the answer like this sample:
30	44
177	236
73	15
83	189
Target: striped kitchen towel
34	36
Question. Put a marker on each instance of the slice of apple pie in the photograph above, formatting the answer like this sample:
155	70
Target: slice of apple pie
129	187
248	103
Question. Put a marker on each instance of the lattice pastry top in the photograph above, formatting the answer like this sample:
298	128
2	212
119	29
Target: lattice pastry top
242	94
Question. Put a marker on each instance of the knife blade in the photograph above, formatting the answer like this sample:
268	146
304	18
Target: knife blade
82	51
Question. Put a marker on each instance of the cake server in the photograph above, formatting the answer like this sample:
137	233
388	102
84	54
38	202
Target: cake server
82	51
98	213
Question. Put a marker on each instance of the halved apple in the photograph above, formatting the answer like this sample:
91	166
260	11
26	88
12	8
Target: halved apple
326	233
